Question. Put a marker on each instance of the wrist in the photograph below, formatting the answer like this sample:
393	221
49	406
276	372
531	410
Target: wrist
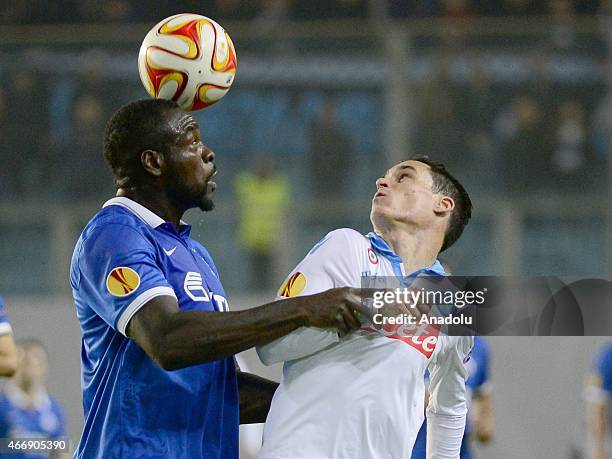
297	311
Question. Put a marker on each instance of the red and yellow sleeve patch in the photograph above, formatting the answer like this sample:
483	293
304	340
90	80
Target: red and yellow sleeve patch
122	281
293	286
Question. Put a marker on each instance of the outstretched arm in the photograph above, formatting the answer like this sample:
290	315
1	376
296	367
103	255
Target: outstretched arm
176	339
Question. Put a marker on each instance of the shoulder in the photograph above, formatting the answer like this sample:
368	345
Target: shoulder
118	225
460	346
604	360
341	238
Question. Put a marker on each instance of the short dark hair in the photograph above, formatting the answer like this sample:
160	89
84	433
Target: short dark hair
134	128
444	183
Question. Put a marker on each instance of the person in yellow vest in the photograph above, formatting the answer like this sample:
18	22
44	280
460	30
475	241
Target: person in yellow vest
262	196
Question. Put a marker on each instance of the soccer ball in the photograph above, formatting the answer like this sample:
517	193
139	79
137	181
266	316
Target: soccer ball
189	59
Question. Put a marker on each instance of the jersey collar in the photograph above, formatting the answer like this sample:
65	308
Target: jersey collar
380	246
150	218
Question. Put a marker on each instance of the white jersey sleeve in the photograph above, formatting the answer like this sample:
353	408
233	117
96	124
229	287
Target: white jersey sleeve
446	412
332	262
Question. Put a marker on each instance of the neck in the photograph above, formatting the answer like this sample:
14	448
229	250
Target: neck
156	202
418	250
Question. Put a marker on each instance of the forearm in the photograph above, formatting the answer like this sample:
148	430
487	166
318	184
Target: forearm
484	424
194	337
598	430
300	343
444	435
255	397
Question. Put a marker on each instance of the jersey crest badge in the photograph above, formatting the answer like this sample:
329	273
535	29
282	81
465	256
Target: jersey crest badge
293	286
122	281
194	287
372	257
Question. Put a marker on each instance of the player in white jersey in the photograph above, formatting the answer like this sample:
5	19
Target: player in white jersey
361	396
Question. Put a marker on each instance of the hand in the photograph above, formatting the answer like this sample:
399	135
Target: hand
397	305
340	308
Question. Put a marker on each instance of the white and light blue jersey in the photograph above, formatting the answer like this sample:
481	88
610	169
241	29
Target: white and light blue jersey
5	325
19	420
360	396
126	256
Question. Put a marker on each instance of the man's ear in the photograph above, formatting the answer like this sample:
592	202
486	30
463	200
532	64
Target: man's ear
445	205
152	161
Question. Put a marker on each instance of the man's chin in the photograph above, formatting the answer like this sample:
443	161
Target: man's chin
206	204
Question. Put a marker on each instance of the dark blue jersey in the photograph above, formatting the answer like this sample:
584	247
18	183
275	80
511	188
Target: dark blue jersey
126	256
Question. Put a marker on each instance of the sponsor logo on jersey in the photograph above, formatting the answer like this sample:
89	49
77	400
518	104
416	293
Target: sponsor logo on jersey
122	281
372	257
293	286
194	287
423	338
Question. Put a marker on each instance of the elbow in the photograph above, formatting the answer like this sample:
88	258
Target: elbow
161	352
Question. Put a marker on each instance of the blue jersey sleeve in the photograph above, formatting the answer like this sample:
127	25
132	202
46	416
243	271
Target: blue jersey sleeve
60	430
603	369
5	326
117	272
479	365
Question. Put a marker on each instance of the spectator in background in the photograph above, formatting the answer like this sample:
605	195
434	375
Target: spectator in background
263	196
569	158
524	8
26	106
601	140
26	408
89	176
326	9
330	155
440	133
562	33
8	353
524	139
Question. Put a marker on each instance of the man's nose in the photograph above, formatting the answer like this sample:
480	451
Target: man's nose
382	183
208	155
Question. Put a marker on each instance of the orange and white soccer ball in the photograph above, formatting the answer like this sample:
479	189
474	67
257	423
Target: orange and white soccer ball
189	59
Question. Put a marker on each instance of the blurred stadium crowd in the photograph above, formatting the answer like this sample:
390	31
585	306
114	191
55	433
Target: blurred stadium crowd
519	108
502	137
71	11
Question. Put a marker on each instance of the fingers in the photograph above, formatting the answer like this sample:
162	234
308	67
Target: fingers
351	319
342	326
356	300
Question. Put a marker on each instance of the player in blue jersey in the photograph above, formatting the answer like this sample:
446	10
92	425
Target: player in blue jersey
27	411
8	354
599	398
480	414
158	374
